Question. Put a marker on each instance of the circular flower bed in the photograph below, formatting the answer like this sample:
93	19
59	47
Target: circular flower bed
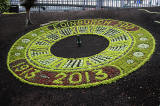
30	58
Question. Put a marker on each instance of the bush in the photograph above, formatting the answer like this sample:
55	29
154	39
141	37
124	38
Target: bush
4	5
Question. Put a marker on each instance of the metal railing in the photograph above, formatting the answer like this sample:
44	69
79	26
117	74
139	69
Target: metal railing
62	5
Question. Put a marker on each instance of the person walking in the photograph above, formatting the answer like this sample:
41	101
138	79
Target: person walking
28	4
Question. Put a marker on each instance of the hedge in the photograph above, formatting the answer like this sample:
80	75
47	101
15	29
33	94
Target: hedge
4	5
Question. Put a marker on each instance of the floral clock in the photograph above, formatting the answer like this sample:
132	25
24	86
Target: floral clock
30	58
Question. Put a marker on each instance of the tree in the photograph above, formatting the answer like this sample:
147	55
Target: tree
28	4
4	5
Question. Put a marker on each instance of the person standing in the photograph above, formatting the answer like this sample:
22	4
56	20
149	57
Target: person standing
28	4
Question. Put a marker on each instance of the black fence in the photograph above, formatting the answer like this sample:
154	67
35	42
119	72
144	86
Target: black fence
66	5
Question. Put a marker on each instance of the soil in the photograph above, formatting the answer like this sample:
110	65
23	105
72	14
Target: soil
90	45
140	88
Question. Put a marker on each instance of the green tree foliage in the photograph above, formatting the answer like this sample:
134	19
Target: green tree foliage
4	5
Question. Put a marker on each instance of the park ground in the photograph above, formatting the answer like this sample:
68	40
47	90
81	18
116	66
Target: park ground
140	88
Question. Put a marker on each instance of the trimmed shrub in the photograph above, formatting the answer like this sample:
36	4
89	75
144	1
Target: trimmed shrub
4	5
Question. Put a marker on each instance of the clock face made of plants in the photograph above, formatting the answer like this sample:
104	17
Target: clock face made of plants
30	58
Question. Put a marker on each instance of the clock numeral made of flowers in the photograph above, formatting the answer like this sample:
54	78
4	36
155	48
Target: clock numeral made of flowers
84	77
24	70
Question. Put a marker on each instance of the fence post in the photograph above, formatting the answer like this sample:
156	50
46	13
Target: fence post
39	9
84	4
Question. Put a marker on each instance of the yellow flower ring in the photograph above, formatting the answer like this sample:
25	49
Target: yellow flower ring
30	58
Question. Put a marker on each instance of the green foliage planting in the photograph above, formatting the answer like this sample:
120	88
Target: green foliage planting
30	58
4	5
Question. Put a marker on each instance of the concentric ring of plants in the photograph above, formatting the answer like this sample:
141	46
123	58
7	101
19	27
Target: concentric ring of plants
30	58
